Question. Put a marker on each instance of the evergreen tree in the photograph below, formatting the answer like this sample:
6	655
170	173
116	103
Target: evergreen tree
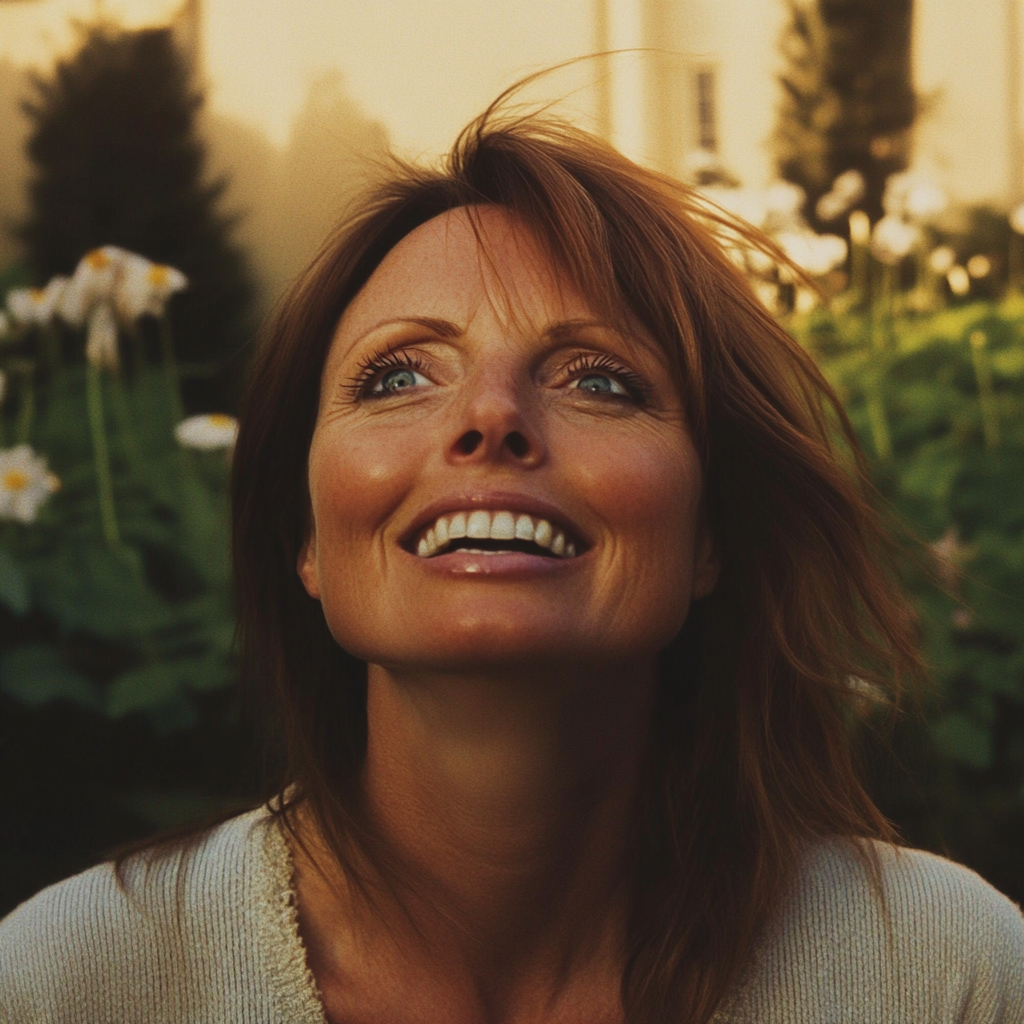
848	99
117	159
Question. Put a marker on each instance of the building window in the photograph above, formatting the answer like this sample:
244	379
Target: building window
707	114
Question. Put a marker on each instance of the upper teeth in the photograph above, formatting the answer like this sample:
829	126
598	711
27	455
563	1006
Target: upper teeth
481	525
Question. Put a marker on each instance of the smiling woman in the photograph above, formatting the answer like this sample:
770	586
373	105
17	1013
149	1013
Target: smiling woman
553	552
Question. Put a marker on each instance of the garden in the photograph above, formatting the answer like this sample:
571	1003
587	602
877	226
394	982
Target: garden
122	344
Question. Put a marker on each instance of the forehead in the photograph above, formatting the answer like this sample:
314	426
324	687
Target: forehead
453	264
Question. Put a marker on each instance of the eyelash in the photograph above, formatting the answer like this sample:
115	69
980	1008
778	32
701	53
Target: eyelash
378	363
584	364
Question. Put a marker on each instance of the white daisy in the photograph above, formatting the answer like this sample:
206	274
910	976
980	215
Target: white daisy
941	260
893	238
816	254
91	284
25	483
207	432
111	284
36	305
143	287
959	281
846	192
101	343
914	196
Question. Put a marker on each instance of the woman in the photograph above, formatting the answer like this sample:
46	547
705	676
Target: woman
553	550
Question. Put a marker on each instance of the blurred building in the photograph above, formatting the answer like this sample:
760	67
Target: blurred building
703	83
709	85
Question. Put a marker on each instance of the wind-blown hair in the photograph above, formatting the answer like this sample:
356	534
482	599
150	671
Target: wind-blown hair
751	756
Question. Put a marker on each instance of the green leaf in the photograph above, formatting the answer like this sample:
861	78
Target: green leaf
141	689
163	683
90	588
37	675
13	588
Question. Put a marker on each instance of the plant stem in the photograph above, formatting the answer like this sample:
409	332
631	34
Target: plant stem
860	235
879	425
126	428
101	456
49	347
986	393
27	412
880	333
171	368
1015	263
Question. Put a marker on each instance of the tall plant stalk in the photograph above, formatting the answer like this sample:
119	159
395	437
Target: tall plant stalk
986	393
27	413
880	330
126	427
101	457
171	368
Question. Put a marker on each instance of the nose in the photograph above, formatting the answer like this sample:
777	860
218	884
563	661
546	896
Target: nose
497	424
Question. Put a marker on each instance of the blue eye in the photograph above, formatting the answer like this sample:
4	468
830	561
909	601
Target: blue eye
398	379
600	384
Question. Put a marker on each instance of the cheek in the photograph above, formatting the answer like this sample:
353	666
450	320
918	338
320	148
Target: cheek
356	482
649	489
647	493
357	477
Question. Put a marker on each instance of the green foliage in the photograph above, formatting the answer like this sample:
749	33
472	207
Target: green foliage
117	160
847	94
950	389
142	626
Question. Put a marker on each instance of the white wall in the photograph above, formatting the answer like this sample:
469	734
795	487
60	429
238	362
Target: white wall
960	67
960	57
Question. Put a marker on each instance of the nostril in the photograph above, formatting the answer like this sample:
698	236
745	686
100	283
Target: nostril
469	442
517	444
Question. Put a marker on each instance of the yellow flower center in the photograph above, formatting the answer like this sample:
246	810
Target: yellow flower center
220	419
97	259
15	480
37	294
158	274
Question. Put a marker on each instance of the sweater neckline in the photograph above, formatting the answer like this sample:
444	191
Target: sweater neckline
284	953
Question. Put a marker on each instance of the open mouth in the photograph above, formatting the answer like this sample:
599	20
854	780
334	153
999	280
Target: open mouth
495	533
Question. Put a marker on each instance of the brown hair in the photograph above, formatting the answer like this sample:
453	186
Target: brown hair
752	753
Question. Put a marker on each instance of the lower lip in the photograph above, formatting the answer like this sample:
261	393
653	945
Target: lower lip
515	564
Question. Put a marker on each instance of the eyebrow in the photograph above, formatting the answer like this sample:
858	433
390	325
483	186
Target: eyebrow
566	330
561	332
444	328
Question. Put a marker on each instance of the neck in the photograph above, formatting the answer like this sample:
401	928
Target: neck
507	801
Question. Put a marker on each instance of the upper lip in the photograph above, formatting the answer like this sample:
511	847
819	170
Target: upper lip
494	501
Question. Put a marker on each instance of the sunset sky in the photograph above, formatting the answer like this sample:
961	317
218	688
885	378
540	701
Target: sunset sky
421	66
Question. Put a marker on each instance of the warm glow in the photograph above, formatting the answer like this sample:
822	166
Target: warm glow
422	69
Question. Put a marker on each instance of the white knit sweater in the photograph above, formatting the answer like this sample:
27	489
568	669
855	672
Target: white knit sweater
211	937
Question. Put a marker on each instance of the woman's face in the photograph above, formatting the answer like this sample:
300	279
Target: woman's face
496	476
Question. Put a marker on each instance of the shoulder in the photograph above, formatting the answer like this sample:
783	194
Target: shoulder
95	947
925	898
872	932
